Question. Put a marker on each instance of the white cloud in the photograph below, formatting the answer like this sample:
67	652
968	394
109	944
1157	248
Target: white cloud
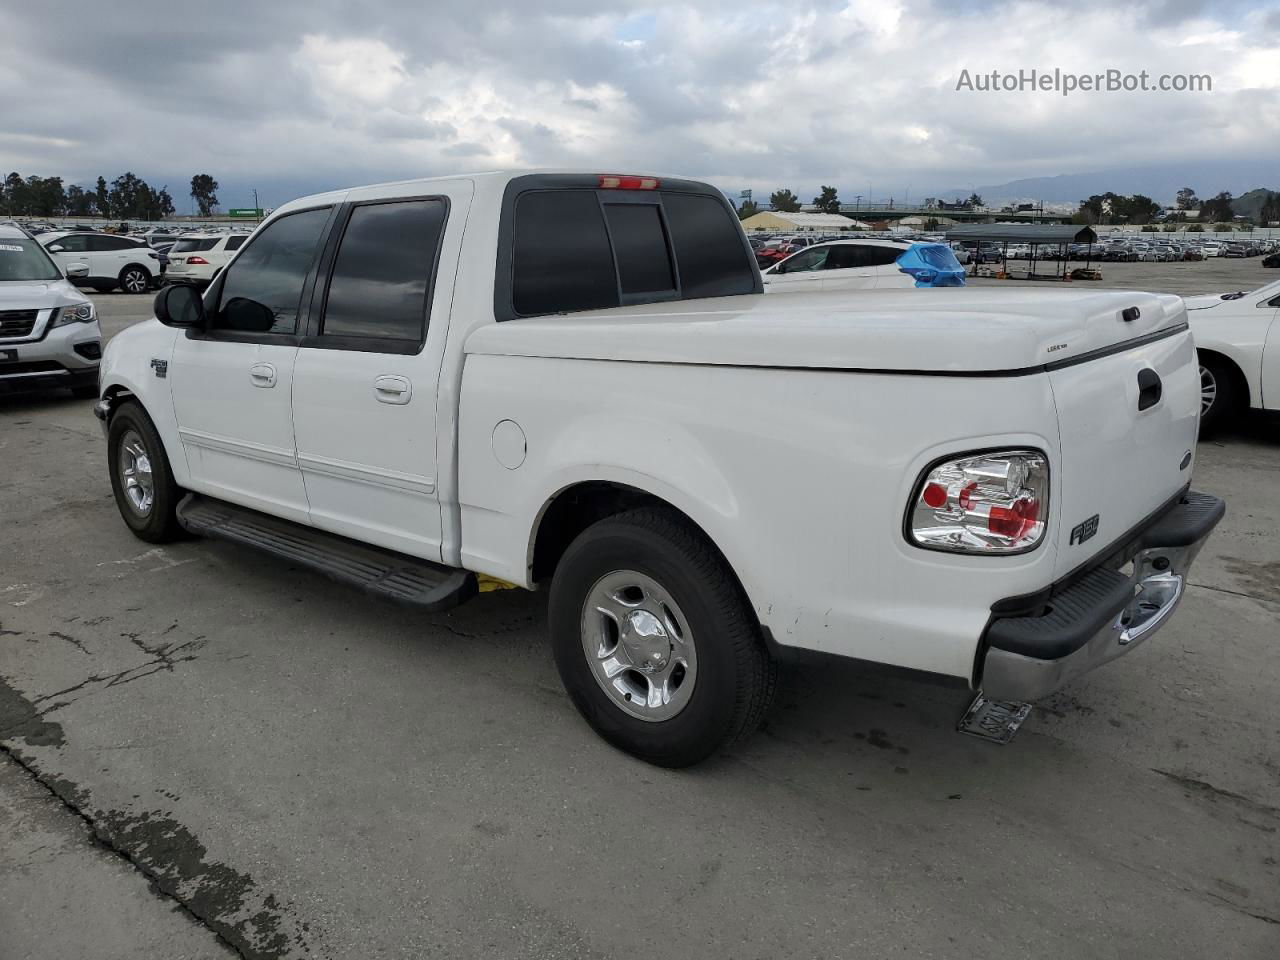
753	93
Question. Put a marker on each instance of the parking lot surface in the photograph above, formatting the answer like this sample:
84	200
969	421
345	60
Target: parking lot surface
208	753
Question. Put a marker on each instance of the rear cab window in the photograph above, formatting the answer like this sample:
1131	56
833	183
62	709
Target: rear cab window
567	245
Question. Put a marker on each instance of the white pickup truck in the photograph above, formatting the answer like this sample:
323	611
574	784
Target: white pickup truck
574	381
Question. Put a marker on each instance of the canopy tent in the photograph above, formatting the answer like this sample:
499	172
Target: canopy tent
1035	234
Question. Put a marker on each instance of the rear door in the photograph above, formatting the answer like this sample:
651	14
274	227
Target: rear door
364	391
853	266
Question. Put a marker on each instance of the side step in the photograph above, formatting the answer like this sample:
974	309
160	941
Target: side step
396	576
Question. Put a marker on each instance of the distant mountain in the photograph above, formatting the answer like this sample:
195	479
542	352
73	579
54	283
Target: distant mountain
1161	183
1250	204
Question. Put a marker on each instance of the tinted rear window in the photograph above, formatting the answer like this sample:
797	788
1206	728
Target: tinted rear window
568	255
640	244
234	243
562	259
194	246
713	262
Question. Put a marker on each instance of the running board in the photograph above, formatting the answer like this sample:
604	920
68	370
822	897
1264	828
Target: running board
385	573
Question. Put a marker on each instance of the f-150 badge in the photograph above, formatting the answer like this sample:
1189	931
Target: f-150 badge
1083	531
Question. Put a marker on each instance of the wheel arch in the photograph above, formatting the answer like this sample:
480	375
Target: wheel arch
1234	368
576	506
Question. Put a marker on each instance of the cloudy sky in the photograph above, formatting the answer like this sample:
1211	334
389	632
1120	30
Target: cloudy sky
293	96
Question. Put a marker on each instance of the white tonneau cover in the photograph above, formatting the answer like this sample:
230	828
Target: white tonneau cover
960	330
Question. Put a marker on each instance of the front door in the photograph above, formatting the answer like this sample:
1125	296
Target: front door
233	381
1271	358
364	390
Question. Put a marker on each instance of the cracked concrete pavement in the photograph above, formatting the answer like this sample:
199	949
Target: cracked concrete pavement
209	753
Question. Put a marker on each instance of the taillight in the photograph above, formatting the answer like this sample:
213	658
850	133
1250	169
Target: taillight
988	503
199	260
613	181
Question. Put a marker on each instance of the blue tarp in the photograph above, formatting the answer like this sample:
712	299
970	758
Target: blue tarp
932	265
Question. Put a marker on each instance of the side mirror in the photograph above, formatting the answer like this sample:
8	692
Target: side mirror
180	306
77	270
56	248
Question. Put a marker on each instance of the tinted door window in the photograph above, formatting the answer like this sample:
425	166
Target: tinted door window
807	261
263	287
640	244
235	243
713	262
382	274
111	243
71	244
562	259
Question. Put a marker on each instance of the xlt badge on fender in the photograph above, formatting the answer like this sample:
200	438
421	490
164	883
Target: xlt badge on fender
1083	531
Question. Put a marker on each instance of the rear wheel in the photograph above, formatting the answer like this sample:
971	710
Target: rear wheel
134	279
1219	393
655	641
141	478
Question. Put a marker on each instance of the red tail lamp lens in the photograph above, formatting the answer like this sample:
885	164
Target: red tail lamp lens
617	181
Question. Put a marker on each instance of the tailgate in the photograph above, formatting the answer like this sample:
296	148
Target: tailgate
1128	423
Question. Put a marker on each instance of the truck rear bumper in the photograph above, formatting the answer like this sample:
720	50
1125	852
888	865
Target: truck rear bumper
1104	612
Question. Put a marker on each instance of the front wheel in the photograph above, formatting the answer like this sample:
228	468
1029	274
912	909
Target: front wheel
141	478
655	641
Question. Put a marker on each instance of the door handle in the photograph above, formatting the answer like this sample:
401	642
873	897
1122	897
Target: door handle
262	375
392	389
1149	388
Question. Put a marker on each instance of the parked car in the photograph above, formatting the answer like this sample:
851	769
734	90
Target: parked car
1210	249
840	265
1271	260
110	261
1233	250
49	335
197	258
963	254
1238	342
704	479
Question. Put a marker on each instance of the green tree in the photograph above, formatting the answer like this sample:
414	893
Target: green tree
164	204
1270	211
748	209
15	194
1218	208
102	198
784	200
128	197
974	201
79	201
204	190
827	201
1187	199
44	196
1139	208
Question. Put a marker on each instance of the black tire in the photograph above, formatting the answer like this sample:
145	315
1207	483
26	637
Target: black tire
735	676
134	279
159	522
1223	379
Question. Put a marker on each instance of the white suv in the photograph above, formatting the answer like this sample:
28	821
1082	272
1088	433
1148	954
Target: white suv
197	258
49	334
111	261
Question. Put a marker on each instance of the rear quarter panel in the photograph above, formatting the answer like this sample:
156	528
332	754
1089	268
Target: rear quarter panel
801	478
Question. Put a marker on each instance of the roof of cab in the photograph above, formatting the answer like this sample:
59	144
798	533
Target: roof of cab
498	178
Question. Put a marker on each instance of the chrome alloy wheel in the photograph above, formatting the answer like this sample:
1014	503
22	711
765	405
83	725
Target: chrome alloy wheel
1208	389
134	281
135	474
639	645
